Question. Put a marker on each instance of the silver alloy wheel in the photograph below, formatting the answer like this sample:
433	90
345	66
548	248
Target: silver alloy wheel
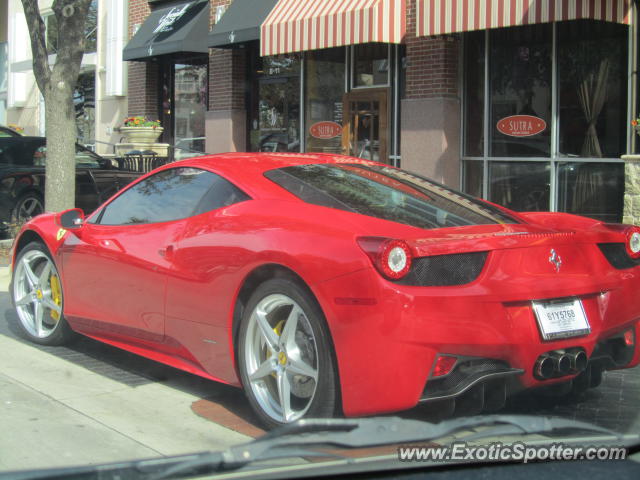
281	358
38	308
29	208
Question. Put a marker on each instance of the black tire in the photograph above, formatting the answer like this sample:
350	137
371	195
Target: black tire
323	402
52	329
28	206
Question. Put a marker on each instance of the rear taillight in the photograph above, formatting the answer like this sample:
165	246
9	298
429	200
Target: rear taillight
392	258
633	242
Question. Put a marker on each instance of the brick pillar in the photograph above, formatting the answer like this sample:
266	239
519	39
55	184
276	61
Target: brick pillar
227	116
430	120
142	96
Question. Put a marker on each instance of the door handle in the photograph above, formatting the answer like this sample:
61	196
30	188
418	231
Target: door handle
166	252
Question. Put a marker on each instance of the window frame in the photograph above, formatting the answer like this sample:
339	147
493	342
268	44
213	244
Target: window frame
555	159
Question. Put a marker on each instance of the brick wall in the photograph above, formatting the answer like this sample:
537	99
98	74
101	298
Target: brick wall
143	76
227	69
432	70
227	79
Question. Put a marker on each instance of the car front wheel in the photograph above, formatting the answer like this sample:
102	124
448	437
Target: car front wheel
285	359
37	296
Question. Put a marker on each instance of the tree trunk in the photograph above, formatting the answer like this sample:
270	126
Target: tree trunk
60	125
56	85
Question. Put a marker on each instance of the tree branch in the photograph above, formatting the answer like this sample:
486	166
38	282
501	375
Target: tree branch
38	43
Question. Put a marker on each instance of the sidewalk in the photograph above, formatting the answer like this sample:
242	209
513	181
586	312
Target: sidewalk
5	278
91	403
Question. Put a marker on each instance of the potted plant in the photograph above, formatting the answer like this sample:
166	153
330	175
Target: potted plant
139	129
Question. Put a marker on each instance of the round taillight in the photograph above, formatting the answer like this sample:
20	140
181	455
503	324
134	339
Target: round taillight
395	259
633	242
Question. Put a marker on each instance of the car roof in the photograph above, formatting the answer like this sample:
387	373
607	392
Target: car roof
246	170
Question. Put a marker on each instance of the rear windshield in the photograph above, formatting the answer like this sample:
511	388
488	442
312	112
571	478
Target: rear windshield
386	193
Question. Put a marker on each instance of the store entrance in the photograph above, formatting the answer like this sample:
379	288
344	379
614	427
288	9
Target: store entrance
365	124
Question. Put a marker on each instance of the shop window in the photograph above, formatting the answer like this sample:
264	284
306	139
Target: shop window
190	106
590	121
520	83
592	68
324	82
522	186
84	103
474	94
275	120
90	30
473	175
370	65
591	189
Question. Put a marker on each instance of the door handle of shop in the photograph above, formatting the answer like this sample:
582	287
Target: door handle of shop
166	252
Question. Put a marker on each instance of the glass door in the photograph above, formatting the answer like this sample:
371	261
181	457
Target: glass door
365	124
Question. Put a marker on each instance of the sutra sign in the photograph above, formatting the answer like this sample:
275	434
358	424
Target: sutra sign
521	125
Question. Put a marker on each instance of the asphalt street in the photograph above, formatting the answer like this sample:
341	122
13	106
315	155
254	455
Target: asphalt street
93	403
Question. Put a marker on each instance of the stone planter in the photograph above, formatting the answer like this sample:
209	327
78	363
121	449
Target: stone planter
141	134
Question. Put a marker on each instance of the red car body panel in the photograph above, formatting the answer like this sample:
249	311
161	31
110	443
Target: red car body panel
169	291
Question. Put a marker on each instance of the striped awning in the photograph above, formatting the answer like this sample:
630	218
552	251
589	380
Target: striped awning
295	25
435	17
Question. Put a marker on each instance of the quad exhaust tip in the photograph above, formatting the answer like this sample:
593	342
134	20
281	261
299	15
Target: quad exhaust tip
560	363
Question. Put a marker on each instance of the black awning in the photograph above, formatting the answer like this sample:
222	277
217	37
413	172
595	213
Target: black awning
180	28
240	23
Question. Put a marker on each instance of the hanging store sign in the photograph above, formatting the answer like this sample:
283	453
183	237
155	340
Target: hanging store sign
521	125
325	130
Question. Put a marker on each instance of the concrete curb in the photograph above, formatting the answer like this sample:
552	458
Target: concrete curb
5	278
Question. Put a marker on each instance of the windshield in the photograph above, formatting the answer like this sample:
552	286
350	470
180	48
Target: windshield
386	193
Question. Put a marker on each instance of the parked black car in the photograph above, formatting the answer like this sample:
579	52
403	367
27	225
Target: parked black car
22	177
8	132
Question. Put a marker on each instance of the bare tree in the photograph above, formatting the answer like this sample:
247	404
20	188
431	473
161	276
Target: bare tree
56	85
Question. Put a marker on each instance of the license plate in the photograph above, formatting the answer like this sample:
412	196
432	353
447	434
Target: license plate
561	319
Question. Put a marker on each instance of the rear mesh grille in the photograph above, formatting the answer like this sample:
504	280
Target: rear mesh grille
617	256
445	270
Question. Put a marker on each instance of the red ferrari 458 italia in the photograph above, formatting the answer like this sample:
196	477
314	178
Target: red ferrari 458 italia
327	285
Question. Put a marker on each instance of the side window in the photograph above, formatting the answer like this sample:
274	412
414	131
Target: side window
171	195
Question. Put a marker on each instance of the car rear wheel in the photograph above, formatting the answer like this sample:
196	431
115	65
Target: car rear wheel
27	207
37	296
285	359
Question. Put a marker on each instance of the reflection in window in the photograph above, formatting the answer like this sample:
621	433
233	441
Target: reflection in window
324	75
591	189
473	175
592	67
520	186
520	75
171	195
190	104
84	103
474	94
371	65
385	193
275	126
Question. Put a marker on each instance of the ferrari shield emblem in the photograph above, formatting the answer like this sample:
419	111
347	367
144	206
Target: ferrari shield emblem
61	233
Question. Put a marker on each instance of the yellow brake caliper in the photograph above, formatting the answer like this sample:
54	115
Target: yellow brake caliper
56	295
278	330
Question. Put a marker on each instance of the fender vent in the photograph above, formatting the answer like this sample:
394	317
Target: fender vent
445	270
617	256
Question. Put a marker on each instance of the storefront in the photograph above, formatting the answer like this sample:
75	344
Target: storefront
525	103
321	76
547	102
171	40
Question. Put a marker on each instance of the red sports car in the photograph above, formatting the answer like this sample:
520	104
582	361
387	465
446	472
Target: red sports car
329	285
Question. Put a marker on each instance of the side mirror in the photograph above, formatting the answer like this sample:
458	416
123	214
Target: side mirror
70	219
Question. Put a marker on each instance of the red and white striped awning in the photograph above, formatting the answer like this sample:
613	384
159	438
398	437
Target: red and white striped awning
297	25
435	17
